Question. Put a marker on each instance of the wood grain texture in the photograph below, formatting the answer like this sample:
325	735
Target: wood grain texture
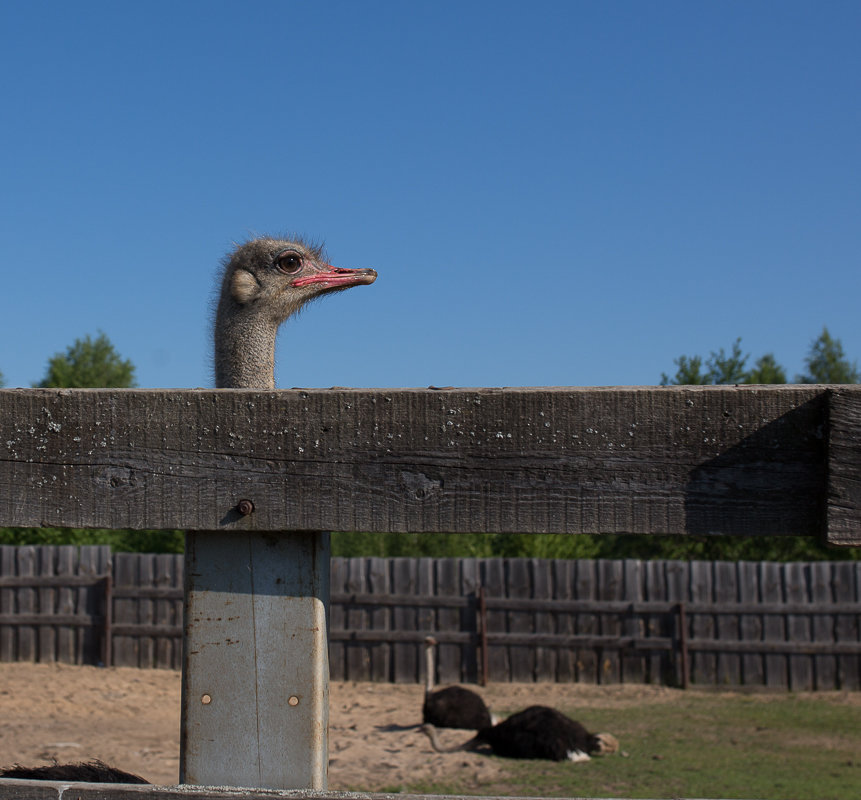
844	467
746	460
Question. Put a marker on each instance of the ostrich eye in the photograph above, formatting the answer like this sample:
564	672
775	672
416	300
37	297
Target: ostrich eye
288	263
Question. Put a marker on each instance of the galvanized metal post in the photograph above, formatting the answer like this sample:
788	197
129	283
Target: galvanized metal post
255	680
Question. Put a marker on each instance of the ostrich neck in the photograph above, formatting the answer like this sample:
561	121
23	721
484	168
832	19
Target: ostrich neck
244	350
429	671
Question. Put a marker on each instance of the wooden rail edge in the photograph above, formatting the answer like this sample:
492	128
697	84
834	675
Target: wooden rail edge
648	460
47	790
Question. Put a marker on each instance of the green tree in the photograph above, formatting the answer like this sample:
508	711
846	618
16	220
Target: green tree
826	362
2	383
689	373
93	363
89	363
727	369
766	370
720	368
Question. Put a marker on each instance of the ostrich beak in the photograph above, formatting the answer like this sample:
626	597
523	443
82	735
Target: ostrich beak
336	276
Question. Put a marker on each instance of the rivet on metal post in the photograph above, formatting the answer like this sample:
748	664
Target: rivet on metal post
245	507
293	700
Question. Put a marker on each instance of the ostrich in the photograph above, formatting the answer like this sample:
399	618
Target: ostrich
265	281
87	772
454	706
536	732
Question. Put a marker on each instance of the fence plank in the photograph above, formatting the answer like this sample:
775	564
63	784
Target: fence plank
563	587
47	604
66	566
822	625
743	460
520	586
633	663
703	665
448	585
358	659
545	621
798	626
494	585
588	661
774	625
844	466
27	641
405	657
125	649
848	626
8	605
750	625
610	587
728	666
470	582
378	619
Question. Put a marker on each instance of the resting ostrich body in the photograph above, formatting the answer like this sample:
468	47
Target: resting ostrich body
88	772
454	706
265	281
536	732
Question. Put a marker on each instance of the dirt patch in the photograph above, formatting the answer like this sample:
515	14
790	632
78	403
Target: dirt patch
130	719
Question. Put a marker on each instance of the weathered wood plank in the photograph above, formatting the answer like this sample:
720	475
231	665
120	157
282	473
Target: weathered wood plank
844	467
633	625
750	624
405	659
703	664
520	586
774	625
744	460
8	602
47	790
586	588
798	627
545	622
726	591
448	663
847	628
27	643
379	619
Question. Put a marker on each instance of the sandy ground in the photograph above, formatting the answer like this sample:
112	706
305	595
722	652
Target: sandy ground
130	718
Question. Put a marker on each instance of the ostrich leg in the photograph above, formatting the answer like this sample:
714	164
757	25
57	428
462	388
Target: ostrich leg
255	661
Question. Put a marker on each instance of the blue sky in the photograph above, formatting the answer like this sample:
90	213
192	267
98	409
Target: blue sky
553	193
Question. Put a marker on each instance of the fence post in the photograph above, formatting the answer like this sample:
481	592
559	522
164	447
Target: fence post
255	663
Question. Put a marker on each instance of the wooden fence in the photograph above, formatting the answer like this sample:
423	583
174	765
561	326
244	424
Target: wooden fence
792	625
254	476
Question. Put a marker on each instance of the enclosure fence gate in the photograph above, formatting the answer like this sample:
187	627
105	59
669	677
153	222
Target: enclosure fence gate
256	477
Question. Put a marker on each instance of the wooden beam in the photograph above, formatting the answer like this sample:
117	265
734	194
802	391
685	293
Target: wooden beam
699	460
844	467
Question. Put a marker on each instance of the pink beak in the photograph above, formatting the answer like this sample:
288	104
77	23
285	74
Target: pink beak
336	276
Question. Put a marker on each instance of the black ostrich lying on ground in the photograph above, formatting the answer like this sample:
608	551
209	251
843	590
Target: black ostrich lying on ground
536	732
85	772
454	706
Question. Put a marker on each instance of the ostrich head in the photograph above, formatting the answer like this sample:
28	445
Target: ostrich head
605	744
265	281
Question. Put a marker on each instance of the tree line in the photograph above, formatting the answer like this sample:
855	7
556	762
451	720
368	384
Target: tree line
94	363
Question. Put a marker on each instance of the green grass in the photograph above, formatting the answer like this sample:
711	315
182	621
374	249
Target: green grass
779	747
